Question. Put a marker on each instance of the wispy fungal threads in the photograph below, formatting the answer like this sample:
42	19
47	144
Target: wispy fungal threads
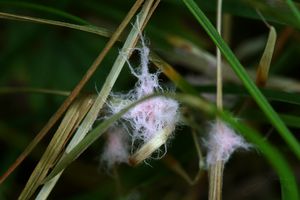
116	149
222	142
149	118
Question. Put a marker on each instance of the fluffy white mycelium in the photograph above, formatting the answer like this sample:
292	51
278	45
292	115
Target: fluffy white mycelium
222	142
151	116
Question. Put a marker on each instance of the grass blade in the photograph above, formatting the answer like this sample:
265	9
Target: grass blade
294	9
265	61
11	90
87	28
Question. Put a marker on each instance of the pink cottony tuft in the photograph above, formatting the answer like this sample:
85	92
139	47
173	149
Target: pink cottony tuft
151	116
222	142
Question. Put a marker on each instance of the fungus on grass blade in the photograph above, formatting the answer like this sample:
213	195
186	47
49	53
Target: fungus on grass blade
222	142
151	117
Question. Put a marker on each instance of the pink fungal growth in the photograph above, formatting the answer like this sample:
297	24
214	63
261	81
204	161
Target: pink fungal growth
222	142
116	148
150	116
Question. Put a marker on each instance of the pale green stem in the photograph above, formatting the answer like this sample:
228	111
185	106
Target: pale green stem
219	59
216	181
216	170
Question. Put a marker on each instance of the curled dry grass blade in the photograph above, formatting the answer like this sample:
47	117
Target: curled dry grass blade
265	61
242	74
75	91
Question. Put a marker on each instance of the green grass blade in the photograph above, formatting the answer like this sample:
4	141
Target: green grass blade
256	116
274	11
239	91
294	9
242	74
12	90
87	28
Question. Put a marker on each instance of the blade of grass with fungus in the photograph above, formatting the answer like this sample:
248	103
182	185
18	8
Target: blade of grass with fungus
113	75
106	89
275	158
56	116
83	144
287	179
289	186
242	74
